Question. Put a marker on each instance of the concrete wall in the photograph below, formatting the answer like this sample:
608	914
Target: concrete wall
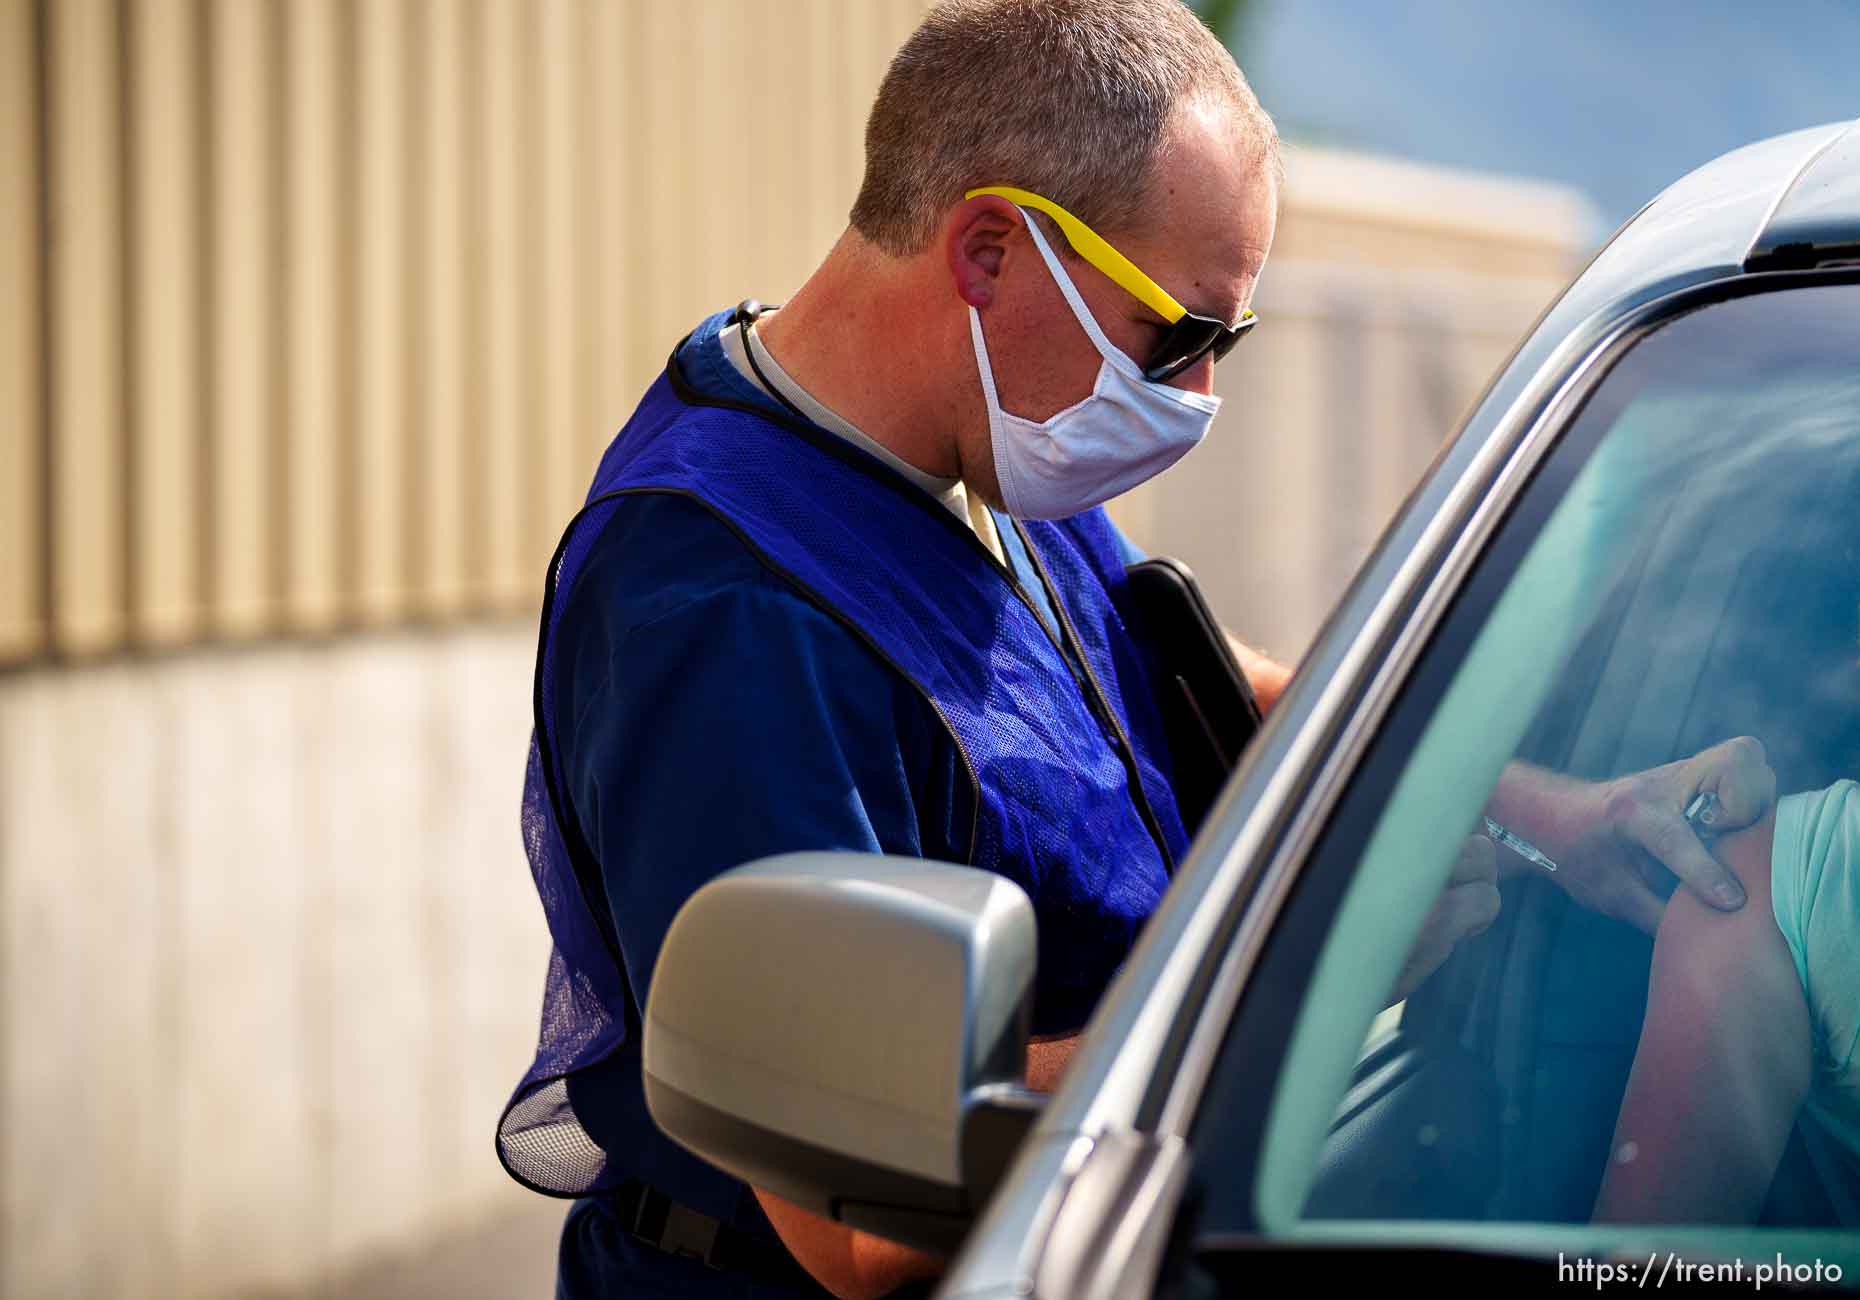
269	960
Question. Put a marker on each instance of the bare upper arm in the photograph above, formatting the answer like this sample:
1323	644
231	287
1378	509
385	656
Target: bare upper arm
1724	1058
1732	963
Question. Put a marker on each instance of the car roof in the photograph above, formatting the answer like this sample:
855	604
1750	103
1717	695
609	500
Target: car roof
1818	218
1711	222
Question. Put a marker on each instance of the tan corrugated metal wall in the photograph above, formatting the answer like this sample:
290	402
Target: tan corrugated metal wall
315	313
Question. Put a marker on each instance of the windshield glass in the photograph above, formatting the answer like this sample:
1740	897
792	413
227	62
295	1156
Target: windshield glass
1497	1029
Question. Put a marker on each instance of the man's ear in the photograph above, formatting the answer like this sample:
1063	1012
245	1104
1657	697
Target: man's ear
975	236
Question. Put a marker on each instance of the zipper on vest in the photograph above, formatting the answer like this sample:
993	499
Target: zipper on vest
1098	703
1073	656
1076	667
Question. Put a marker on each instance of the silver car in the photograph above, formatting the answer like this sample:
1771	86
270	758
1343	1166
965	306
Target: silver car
1646	539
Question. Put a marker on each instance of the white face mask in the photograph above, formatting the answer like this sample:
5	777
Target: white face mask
1127	430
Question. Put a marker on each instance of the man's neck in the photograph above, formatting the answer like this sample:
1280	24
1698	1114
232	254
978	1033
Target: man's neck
853	337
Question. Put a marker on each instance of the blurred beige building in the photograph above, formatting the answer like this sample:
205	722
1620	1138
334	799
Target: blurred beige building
314	316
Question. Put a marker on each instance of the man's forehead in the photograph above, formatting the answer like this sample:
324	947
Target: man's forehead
1214	210
1208	253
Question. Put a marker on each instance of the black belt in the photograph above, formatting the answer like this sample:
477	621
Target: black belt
664	1224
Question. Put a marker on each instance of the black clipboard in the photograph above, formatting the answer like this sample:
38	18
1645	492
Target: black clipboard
1208	710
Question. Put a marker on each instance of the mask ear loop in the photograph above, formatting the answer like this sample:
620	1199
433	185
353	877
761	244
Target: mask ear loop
1114	356
986	367
1005	474
1109	351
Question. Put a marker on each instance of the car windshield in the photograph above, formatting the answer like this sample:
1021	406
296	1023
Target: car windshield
1683	570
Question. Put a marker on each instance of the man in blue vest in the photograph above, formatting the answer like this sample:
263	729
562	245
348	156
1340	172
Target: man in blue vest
842	582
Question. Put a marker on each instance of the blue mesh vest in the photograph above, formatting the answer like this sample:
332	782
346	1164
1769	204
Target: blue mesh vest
1063	752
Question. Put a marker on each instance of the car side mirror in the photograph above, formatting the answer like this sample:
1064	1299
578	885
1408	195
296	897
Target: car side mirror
849	1031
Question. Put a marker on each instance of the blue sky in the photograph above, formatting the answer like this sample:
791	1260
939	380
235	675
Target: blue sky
1616	97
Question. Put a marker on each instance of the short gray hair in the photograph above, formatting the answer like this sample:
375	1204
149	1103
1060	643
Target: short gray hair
1068	98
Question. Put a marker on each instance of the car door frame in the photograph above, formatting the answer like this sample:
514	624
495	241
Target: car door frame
1263	1005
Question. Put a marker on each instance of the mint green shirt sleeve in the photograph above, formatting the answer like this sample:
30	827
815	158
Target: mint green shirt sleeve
1815	894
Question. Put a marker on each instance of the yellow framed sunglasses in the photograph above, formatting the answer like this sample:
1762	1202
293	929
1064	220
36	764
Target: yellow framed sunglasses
1190	337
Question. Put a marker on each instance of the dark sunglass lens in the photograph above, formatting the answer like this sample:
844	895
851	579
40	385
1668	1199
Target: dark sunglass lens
1229	337
1187	339
1201	336
1162	369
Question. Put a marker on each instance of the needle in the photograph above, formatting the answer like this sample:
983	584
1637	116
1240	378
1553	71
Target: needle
1519	845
